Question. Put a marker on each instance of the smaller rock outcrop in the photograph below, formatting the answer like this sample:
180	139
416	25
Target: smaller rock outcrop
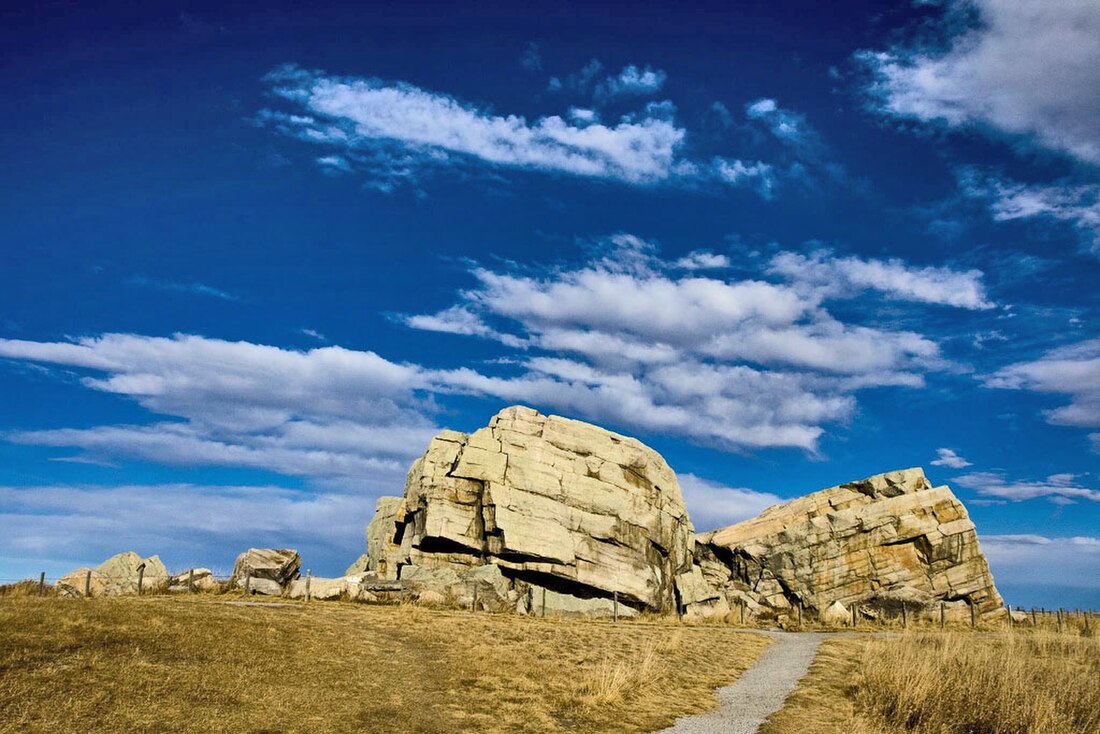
194	579
118	575
266	570
879	543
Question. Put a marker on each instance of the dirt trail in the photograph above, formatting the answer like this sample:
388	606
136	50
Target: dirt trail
760	691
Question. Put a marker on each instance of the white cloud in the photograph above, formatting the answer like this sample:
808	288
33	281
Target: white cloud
702	260
786	125
637	341
1026	561
198	289
1059	488
395	130
64	527
894	278
1026	67
1072	370
632	80
713	505
1075	204
330	413
948	458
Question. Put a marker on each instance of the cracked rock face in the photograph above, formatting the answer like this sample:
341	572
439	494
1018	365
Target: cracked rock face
890	538
552	502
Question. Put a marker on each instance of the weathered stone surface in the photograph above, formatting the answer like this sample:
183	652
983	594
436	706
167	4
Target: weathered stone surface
266	570
836	614
543	499
116	576
195	579
319	588
880	542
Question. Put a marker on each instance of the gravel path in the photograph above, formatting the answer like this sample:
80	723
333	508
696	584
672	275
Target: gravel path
760	691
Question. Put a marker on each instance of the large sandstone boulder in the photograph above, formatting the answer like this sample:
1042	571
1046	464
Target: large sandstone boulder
116	576
266	570
551	502
887	540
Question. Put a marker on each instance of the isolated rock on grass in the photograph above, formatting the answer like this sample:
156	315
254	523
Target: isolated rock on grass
266	570
881	542
116	576
194	579
836	614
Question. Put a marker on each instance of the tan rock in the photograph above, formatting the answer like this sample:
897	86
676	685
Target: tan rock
880	542
266	570
539	495
194	579
118	575
836	614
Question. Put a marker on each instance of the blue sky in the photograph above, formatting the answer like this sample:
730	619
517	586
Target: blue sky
253	260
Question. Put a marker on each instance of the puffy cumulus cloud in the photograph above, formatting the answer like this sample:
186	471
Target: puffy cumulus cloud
894	278
1072	370
714	505
1074	204
1058	488
63	527
331	413
1026	67
642	342
395	131
702	260
1022	562
950	459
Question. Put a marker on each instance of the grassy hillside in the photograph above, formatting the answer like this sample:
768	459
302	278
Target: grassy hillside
1022	682
199	664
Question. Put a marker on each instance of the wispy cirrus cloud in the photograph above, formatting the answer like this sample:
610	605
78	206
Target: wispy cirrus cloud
1072	370
196	289
396	131
329	414
66	526
1076	204
1058	488
1029	68
893	278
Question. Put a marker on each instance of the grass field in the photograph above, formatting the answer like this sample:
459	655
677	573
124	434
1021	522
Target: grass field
160	664
1023	682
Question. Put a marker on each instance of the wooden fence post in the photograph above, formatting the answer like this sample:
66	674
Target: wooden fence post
742	611
615	606
1059	619
943	615
141	578
904	616
88	583
973	616
42	584
800	614
543	602
853	615
473	604
1034	620
247	581
309	580
191	581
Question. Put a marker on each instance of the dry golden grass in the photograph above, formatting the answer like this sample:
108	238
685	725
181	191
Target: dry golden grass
198	664
1024	682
